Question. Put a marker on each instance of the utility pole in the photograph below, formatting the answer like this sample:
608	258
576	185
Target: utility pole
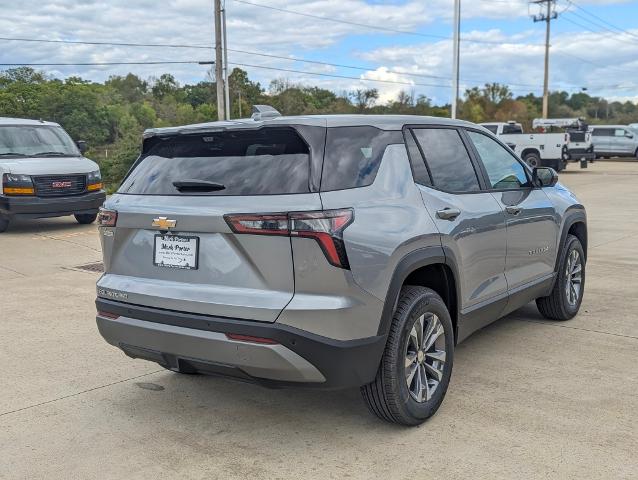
456	51
219	67
547	18
226	84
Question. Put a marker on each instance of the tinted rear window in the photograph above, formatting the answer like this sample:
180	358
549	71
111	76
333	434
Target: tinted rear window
447	159
603	132
269	161
492	128
512	129
353	156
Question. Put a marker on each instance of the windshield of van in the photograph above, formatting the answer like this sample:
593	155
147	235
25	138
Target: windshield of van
18	141
268	161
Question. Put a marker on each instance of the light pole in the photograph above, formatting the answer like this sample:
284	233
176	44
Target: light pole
456	57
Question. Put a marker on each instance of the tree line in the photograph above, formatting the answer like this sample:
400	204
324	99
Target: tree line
111	116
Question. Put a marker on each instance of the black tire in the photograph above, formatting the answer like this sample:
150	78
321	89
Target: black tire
557	306
85	218
4	224
532	159
388	396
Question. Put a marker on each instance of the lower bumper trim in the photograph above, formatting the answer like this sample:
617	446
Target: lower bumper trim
343	364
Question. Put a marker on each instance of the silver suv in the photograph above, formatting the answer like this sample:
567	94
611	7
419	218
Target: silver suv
332	251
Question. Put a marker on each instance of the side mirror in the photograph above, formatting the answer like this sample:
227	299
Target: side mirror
544	176
82	146
629	135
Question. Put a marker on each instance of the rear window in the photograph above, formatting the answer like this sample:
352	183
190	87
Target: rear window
492	128
353	156
512	129
269	161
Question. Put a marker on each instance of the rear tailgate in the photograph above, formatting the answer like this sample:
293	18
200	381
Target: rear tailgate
238	276
172	248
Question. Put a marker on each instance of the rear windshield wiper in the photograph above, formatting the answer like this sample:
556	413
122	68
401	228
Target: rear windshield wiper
198	186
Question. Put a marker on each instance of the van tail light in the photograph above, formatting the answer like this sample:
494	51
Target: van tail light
326	227
106	218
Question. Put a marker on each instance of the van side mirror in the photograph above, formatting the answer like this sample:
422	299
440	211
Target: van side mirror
629	135
544	176
82	146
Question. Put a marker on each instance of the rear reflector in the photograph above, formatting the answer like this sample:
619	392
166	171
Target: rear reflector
326	227
112	316
251	339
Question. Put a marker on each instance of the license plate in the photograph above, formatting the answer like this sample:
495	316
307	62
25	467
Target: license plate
176	251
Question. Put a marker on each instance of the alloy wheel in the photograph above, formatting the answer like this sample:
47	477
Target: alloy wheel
574	277
425	357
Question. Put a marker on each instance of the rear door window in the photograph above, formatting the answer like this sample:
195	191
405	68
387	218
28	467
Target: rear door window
447	159
268	161
603	132
353	156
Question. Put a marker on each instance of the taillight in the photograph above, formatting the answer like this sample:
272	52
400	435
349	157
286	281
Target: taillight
326	227
106	218
275	224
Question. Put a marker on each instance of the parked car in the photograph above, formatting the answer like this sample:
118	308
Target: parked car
44	173
549	149
615	141
332	251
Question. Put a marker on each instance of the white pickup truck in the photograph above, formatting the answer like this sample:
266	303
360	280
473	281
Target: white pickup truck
546	149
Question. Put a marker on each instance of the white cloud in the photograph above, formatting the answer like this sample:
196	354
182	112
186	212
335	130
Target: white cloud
516	60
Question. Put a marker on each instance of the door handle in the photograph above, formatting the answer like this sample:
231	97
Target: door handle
513	210
448	213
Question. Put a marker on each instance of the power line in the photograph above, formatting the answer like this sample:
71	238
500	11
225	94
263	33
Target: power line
334	75
366	25
602	21
246	52
82	64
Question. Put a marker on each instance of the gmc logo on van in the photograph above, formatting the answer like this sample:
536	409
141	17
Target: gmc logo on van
65	184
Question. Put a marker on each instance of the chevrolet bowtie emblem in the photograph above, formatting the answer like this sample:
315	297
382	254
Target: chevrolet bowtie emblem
163	223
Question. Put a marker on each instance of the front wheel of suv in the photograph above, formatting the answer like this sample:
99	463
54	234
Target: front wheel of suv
566	296
417	362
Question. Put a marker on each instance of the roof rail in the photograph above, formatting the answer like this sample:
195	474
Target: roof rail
262	112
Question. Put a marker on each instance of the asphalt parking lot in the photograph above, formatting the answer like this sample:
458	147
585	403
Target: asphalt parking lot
528	398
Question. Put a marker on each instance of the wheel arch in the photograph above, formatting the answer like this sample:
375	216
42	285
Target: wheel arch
529	150
427	267
575	223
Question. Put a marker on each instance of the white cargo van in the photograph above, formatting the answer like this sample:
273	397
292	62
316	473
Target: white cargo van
43	173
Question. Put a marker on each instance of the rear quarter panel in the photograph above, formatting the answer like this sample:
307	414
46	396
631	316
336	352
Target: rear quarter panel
390	222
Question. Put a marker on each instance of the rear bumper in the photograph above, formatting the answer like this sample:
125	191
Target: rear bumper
576	155
39	207
199	343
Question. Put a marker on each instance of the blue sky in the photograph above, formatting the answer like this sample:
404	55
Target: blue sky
600	54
